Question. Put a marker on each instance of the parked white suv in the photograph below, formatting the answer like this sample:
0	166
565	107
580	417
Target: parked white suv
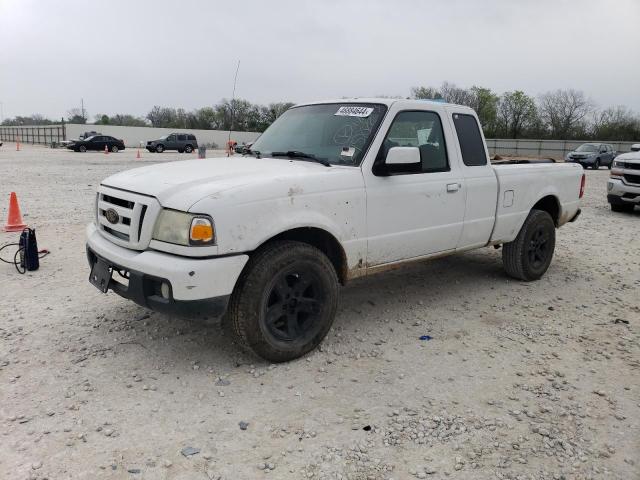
623	188
331	191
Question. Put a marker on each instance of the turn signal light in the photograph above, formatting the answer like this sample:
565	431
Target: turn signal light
201	231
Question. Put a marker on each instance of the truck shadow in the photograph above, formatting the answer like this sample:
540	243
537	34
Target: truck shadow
414	288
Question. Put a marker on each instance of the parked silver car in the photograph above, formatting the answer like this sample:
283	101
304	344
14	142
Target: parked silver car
592	155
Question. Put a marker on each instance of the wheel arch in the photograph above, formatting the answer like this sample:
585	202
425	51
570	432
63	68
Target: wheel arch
551	205
322	240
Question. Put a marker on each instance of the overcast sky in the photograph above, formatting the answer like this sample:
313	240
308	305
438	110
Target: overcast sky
125	56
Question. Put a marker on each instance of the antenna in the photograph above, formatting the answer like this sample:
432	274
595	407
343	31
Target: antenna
233	97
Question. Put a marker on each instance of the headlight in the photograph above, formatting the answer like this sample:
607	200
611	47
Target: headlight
184	228
617	164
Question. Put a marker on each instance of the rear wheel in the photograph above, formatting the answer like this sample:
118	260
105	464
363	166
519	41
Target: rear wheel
159	148
285	301
188	148
623	208
528	257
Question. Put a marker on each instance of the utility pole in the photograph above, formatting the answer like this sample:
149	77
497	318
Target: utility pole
1	113
82	108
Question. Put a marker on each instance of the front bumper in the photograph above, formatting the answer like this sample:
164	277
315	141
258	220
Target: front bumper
202	284
582	161
619	193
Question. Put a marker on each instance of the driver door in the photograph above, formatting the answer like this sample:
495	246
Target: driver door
414	213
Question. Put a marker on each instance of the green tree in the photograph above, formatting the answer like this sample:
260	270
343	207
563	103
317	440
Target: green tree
516	112
485	103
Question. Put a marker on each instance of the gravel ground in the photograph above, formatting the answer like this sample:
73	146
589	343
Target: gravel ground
519	381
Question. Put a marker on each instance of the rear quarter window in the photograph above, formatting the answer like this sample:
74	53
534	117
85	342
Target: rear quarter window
470	140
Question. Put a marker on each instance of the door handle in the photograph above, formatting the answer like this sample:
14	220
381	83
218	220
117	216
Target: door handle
453	187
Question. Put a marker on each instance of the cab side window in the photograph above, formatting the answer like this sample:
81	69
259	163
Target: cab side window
470	140
422	130
182	138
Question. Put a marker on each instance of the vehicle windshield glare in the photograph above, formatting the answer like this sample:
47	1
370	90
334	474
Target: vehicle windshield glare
164	137
588	148
339	133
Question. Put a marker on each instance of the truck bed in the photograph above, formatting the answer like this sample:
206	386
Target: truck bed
521	185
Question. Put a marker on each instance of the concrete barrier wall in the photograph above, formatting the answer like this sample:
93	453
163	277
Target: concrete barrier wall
545	148
132	136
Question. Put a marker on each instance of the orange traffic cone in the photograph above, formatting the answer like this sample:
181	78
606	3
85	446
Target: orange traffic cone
138	154
106	150
18	144
14	220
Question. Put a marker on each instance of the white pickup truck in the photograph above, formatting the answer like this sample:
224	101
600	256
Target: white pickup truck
331	191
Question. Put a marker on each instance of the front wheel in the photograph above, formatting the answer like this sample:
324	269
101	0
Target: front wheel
285	301
528	257
159	148
82	148
596	165
114	149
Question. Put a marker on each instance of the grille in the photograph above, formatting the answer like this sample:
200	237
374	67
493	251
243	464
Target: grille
632	179
134	223
630	166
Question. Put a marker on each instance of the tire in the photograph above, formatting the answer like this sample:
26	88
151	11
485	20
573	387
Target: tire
284	302
82	148
596	165
528	257
188	148
610	165
159	148
114	149
180	150
622	208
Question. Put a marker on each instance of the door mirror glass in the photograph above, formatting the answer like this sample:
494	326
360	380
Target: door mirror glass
403	156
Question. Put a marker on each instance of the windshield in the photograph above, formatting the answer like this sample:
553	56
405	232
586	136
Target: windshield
164	137
336	133
587	147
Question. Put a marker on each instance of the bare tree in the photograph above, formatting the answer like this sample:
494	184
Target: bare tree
77	115
564	112
615	123
454	94
425	93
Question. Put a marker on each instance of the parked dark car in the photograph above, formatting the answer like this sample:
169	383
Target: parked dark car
593	155
244	148
97	142
182	142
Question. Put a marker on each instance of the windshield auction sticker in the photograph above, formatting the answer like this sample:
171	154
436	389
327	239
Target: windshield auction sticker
353	111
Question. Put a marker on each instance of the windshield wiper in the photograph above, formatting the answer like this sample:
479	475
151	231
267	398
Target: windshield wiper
299	154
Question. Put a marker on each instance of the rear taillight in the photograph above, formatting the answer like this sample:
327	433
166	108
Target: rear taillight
582	183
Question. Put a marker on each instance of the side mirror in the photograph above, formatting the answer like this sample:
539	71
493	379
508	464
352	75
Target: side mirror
405	156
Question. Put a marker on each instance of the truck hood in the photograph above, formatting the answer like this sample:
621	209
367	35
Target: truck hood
633	157
179	185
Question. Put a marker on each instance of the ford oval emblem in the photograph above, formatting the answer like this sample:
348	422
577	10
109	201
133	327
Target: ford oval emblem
112	216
